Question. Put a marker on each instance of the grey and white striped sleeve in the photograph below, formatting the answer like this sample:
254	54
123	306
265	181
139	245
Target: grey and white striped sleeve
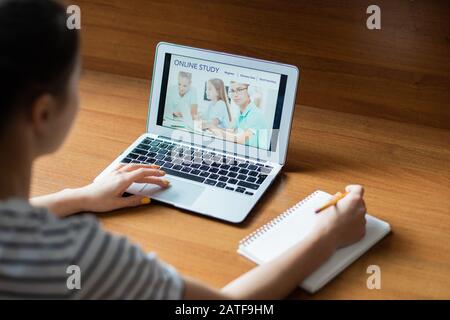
113	268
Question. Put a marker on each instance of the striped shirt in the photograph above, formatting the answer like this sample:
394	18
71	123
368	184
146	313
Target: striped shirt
37	248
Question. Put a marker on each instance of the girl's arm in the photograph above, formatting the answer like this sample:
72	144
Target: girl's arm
105	194
336	227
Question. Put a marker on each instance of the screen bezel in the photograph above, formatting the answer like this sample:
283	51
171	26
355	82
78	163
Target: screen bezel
292	73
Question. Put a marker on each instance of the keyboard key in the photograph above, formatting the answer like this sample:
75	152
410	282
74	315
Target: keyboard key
147	140
217	159
154	143
151	160
261	178
242	177
251	179
177	161
168	158
213	170
160	156
248	185
242	165
184	175
133	156
232	174
187	163
196	172
159	162
163	151
186	169
140	151
232	181
243	171
204	168
223	179
265	170
143	146
142	158
204	174
126	160
213	176
252	167
177	167
167	165
223	172
229	188
210	182
151	154
253	173
249	193
195	165
240	190
225	166
234	169
221	184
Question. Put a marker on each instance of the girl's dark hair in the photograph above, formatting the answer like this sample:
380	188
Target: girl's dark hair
37	53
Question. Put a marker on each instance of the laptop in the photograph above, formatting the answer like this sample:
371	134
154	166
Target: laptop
218	124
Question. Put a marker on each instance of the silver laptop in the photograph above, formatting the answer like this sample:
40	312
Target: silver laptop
218	125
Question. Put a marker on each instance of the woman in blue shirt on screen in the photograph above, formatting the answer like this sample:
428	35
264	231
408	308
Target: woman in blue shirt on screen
218	113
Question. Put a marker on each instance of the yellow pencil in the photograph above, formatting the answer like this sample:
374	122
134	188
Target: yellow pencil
333	201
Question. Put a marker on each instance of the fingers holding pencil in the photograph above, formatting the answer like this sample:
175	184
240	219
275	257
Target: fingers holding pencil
353	193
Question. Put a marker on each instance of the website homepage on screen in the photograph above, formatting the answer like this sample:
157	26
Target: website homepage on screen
224	101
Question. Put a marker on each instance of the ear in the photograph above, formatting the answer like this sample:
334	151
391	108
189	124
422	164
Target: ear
42	111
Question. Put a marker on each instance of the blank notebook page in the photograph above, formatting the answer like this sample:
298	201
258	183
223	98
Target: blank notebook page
289	228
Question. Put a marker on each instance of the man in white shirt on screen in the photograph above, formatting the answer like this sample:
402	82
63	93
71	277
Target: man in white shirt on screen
182	99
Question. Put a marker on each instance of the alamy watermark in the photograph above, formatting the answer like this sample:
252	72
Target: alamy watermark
74	279
374	280
374	20
74	17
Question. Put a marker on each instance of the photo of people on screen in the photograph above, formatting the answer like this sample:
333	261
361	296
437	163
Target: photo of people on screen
234	104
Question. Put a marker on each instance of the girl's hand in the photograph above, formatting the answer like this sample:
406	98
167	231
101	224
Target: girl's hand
106	193
344	223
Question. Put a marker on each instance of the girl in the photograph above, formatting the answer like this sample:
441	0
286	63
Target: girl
39	74
219	113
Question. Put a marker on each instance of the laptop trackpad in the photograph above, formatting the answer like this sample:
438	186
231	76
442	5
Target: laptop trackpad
180	192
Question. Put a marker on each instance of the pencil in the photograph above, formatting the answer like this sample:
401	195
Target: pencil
333	201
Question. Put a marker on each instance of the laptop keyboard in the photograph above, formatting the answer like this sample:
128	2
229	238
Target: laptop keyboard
202	166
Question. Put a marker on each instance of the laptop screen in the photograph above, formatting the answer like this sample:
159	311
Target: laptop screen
223	101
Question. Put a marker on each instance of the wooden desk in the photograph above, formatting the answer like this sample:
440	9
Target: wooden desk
404	167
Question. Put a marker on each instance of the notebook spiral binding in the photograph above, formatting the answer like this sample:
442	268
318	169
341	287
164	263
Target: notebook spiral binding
269	225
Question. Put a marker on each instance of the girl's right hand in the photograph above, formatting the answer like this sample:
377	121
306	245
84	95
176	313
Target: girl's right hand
344	223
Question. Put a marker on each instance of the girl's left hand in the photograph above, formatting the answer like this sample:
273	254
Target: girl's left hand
106	193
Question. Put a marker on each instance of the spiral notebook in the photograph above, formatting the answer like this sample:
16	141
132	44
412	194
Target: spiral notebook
289	228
